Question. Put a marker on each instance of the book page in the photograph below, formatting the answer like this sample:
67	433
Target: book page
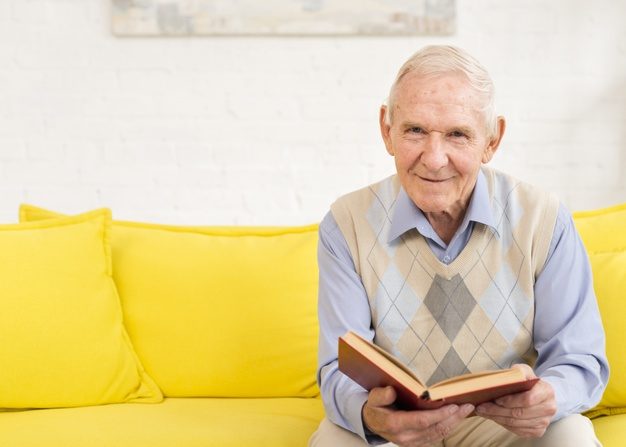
511	372
476	381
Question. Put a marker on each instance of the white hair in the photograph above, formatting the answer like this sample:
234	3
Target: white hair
447	59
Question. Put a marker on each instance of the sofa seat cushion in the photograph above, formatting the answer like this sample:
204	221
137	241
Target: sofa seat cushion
181	422
611	430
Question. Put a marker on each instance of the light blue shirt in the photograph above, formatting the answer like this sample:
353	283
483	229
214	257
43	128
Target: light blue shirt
567	334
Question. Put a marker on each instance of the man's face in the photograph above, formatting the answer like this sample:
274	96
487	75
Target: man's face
439	140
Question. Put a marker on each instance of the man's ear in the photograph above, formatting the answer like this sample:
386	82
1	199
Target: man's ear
385	129
494	143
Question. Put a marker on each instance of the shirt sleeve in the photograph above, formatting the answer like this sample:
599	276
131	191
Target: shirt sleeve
342	306
568	333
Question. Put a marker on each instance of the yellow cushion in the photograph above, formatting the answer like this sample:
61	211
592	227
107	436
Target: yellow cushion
604	235
218	311
62	341
611	430
287	422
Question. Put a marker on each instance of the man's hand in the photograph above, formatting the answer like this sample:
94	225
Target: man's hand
526	414
410	428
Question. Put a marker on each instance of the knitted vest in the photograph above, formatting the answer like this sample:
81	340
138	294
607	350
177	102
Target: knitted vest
471	315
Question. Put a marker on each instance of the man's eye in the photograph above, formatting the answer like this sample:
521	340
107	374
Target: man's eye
457	134
417	130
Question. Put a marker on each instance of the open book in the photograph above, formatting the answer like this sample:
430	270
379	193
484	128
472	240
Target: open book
370	366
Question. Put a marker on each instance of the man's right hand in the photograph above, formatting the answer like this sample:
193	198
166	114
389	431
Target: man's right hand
410	428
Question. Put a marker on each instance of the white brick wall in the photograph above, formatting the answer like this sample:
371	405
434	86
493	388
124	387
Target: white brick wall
271	130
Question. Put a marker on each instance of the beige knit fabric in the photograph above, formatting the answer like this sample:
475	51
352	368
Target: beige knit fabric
473	314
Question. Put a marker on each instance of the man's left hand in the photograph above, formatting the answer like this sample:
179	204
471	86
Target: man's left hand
526	414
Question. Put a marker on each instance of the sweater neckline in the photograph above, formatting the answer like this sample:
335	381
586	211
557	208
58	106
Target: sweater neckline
462	263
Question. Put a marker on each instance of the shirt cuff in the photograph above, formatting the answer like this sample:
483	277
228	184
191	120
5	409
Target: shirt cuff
558	386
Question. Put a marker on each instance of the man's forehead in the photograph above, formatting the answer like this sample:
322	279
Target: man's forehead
454	112
452	93
448	90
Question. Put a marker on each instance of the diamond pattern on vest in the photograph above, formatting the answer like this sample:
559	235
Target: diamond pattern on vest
450	303
450	366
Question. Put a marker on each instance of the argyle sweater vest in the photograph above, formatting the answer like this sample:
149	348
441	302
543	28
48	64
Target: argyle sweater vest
475	313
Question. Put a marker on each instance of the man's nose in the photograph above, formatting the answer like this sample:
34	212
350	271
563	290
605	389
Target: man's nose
434	155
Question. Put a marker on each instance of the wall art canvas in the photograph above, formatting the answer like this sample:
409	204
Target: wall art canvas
283	17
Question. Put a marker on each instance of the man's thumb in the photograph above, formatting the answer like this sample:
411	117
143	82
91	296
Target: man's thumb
382	397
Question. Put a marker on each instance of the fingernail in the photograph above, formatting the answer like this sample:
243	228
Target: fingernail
453	409
467	408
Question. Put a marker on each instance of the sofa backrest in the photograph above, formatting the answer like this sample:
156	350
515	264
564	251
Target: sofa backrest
218	311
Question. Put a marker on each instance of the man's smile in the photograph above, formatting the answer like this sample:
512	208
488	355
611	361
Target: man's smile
432	180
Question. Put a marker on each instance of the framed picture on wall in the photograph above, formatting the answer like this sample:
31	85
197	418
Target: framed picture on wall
282	17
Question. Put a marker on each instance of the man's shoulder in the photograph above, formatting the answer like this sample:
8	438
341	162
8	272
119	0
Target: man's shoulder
383	191
526	211
359	212
503	186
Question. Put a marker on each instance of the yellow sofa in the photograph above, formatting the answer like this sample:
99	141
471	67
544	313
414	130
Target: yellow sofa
222	320
214	338
603	232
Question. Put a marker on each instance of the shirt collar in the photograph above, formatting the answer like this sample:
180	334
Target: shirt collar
407	216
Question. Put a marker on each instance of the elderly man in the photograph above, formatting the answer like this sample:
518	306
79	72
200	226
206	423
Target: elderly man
455	267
